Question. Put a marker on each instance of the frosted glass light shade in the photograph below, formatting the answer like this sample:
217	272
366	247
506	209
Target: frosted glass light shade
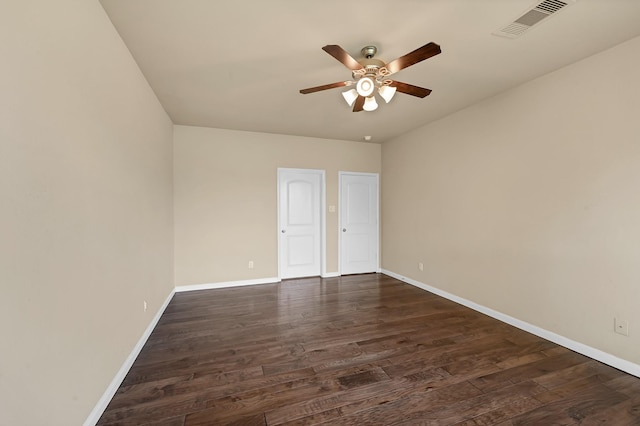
370	104
365	86
387	93
350	96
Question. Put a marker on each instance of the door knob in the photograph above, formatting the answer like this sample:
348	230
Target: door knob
283	231
344	229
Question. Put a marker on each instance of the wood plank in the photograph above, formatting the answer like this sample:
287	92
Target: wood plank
574	407
357	349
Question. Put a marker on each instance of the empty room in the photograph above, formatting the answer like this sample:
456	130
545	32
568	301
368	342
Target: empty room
339	212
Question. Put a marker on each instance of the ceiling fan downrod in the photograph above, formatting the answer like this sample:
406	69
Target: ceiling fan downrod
369	51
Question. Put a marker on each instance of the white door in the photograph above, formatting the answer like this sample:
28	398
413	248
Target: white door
300	207
358	223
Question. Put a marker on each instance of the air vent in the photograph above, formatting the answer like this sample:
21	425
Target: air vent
531	17
551	6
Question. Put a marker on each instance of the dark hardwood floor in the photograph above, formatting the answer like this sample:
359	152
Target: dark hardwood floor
364	349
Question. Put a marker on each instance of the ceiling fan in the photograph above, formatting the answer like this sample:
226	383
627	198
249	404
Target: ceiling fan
370	74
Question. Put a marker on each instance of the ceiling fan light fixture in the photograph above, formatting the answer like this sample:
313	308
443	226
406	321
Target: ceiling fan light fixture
350	96
387	93
370	104
365	86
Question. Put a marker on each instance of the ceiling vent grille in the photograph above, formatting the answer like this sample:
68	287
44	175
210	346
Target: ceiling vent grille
531	17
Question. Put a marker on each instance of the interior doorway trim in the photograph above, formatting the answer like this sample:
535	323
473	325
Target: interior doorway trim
323	216
341	175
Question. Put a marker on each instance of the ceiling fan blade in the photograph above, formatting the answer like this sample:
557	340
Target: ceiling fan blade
359	104
410	89
341	55
325	87
418	55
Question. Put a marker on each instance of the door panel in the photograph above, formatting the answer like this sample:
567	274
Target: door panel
300	250
300	225
300	206
358	203
359	223
357	248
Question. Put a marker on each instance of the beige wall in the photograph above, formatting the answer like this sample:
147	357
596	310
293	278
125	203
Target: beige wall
85	216
528	203
225	198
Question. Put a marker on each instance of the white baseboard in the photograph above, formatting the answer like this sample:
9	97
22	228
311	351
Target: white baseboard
591	352
99	408
227	284
330	275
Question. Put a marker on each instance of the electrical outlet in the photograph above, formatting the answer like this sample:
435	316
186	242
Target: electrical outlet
144	305
621	326
251	264
421	266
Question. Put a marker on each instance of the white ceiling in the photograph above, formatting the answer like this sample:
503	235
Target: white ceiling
239	64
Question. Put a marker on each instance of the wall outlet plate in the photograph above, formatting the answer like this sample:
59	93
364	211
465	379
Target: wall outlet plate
621	326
